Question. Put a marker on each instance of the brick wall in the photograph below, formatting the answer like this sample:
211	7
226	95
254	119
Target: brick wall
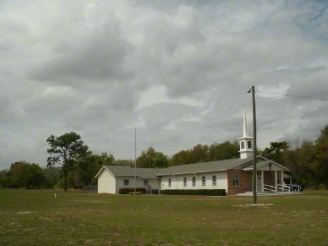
268	178
245	181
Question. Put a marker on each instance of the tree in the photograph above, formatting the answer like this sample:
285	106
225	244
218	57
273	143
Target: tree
52	176
66	149
4	178
34	176
145	160
322	154
88	167
275	151
223	151
18	174
180	158
301	162
160	160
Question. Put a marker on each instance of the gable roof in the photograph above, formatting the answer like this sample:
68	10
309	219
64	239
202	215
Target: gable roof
204	167
126	171
211	166
266	162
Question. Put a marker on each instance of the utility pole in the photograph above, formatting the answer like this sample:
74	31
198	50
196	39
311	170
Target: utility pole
254	145
135	160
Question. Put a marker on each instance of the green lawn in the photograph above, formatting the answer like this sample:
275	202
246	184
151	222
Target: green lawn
37	218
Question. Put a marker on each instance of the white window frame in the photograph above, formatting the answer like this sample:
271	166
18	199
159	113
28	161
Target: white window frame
235	180
126	182
193	181
170	182
214	181
203	181
146	182
184	182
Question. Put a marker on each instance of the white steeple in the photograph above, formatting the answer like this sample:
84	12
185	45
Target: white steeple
245	142
245	124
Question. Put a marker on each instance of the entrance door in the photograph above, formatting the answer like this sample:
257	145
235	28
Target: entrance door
258	183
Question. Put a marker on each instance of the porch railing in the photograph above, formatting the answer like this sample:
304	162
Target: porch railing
283	187
269	188
280	187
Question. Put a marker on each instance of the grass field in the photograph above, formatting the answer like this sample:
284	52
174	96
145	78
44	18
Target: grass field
36	218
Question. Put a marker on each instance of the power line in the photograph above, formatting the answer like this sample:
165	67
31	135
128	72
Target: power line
288	95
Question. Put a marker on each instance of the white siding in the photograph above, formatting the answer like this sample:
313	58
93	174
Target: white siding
154	183
120	183
177	181
106	183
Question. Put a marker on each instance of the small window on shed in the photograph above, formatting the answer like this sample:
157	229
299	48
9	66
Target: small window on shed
235	180
146	182
184	182
126	182
169	182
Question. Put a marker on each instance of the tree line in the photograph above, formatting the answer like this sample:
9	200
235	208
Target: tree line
72	165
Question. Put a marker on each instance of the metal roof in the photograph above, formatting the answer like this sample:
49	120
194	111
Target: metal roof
203	167
126	171
212	166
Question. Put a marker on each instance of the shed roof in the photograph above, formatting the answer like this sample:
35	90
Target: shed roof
126	171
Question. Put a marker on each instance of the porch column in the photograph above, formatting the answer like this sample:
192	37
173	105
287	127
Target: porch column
282	178
275	180
262	180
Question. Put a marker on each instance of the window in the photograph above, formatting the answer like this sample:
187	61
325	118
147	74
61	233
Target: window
203	181
169	182
249	143
193	182
214	180
146	182
242	145
126	182
184	182
235	180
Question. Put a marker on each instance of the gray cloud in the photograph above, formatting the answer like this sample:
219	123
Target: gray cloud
93	67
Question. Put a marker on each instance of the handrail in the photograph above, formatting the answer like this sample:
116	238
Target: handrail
274	189
269	188
283	187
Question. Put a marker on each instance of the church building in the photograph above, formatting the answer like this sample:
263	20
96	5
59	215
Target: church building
233	175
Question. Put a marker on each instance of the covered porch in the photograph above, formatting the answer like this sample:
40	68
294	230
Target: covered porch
270	177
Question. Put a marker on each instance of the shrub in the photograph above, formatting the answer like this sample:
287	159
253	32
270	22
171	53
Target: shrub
203	192
128	190
135	193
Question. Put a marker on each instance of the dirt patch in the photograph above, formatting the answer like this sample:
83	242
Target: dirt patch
23	212
254	205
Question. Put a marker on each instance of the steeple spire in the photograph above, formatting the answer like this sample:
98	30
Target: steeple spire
245	142
245	134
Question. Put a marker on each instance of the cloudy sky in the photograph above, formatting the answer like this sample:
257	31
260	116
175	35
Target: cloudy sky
178	71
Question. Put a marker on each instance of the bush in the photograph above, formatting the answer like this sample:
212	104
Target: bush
135	193
204	192
128	190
